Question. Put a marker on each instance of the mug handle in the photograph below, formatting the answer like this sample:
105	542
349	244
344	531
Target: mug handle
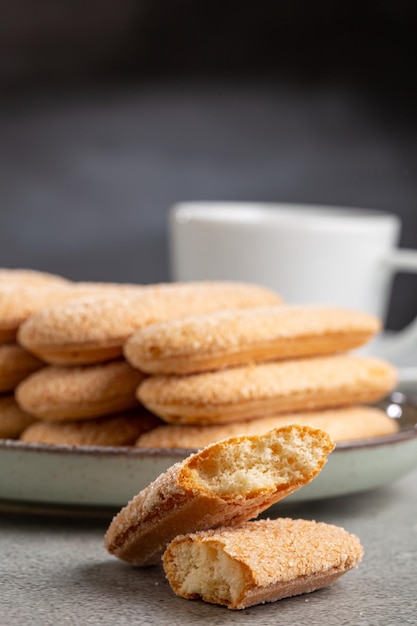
402	260
399	347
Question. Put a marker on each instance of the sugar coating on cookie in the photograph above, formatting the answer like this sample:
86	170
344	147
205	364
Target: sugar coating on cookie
259	561
267	388
96	327
59	393
226	338
17	303
342	424
225	483
21	300
114	430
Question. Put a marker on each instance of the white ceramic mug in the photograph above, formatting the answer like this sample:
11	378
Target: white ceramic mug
309	254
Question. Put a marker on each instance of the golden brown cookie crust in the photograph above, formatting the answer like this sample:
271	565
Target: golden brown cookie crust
115	430
19	300
61	393
15	365
259	561
230	338
224	484
345	424
95	327
269	388
19	303
13	420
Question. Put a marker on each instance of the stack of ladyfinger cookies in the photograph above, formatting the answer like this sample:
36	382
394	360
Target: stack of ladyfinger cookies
224	373
22	292
179	365
83	391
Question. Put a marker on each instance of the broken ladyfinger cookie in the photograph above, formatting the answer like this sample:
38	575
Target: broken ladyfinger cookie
226	483
260	561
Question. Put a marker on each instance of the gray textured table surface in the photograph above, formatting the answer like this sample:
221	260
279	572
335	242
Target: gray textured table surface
54	570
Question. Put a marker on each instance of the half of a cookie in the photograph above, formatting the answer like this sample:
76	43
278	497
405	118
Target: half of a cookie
226	483
260	561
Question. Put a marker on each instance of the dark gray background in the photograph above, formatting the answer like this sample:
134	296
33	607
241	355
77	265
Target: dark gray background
112	111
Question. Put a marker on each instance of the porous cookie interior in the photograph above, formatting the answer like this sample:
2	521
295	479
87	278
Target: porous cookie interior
257	464
206	570
259	561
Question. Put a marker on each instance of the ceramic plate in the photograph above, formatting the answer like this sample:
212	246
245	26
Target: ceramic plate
67	476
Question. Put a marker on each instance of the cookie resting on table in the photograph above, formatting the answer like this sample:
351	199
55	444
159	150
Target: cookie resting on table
259	561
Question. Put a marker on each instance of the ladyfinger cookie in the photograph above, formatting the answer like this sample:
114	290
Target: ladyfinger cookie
226	483
13	420
17	303
260	561
15	365
344	424
229	338
268	388
95	328
121	429
27	276
79	392
20	300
